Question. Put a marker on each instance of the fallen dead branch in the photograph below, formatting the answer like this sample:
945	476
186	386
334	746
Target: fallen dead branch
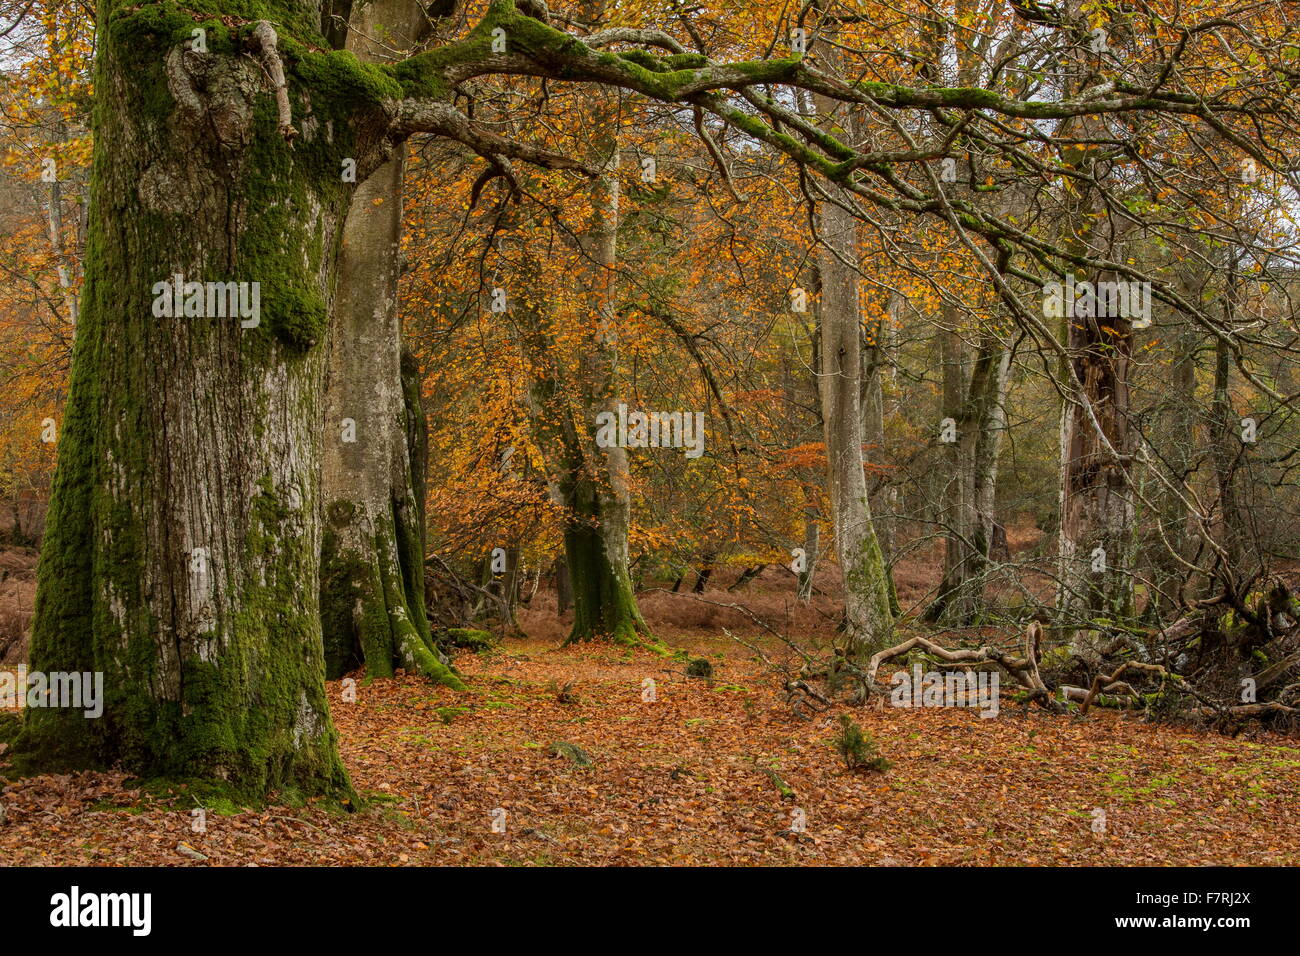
1102	680
1244	710
1023	670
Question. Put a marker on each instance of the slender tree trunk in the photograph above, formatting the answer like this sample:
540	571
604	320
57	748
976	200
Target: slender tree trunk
812	551
795	390
372	582
868	616
1167	550
991	425
54	231
980	418
956	445
875	365
705	572
988	407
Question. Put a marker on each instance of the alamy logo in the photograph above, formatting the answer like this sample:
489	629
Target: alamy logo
651	430
103	909
82	691
952	689
1101	300
177	298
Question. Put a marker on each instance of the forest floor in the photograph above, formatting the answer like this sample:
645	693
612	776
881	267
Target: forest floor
681	780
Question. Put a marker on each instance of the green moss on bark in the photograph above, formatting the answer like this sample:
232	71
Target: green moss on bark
369	610
604	605
222	680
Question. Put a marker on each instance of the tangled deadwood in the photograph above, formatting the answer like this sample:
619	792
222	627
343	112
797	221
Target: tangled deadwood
1024	670
1207	666
1233	657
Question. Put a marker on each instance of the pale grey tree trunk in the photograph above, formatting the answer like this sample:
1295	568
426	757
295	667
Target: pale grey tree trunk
614	491
991	425
64	262
372	588
812	551
978	410
869	620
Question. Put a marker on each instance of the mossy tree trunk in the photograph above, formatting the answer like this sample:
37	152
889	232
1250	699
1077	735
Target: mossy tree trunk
595	547
604	602
597	486
372	560
592	483
869	619
598	492
182	553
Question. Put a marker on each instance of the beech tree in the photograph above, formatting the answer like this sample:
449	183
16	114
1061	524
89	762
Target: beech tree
372	560
593	481
869	618
182	556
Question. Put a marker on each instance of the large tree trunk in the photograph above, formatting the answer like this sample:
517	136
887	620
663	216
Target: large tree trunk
604	604
1094	535
868	592
595	548
600	497
1237	536
1095	538
372	560
182	554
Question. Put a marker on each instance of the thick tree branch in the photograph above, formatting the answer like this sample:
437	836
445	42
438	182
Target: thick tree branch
432	116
